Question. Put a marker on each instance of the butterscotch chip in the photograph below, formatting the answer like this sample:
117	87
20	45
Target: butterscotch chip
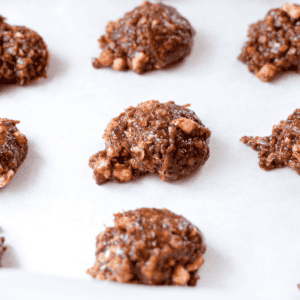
152	36
164	138
13	150
138	249
273	44
292	10
280	149
23	54
267	72
2	248
119	64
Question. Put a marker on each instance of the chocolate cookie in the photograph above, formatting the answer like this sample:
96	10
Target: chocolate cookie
149	246
2	248
23	54
153	137
280	149
152	36
274	43
13	150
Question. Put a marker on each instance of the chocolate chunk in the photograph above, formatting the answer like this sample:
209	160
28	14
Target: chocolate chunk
153	137
149	246
23	54
13	150
152	36
2	248
274	43
280	149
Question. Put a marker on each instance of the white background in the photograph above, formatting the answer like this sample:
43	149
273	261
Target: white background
52	211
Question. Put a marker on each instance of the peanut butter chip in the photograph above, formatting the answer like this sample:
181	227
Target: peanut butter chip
21	139
119	64
267	72
123	174
292	10
186	125
6	178
196	265
138	61
296	151
106	58
181	276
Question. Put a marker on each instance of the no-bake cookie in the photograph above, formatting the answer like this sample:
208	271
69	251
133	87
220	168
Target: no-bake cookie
152	36
2	248
23	54
153	137
149	246
280	149
274	43
13	150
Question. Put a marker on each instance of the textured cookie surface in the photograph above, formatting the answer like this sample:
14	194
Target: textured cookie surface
274	43
13	150
149	246
280	149
23	54
151	36
165	138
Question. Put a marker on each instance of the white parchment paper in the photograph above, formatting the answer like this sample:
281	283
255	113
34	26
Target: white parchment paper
52	211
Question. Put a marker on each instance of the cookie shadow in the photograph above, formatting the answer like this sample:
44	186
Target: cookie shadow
56	69
201	52
215	270
27	173
9	259
216	163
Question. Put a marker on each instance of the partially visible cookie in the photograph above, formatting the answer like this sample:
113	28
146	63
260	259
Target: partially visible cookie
154	137
152	36
23	54
274	43
282	147
2	248
13	150
149	246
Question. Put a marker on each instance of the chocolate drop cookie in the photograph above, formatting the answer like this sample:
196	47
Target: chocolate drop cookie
274	43
149	246
2	248
280	149
23	54
164	138
13	150
152	36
